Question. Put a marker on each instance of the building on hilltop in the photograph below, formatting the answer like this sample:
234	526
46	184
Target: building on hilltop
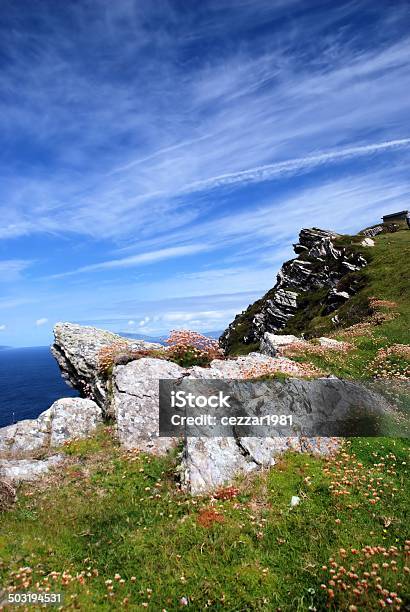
399	217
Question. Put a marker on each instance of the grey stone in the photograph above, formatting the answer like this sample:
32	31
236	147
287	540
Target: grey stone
211	462
19	470
135	401
373	231
270	343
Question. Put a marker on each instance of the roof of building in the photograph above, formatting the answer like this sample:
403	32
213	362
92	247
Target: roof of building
397	214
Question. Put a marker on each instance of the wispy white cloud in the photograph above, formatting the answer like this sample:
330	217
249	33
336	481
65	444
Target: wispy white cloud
241	116
41	321
11	269
294	166
2	327
138	152
137	260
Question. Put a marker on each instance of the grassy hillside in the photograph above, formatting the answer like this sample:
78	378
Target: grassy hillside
112	532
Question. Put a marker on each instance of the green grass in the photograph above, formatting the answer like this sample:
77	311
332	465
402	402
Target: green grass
108	513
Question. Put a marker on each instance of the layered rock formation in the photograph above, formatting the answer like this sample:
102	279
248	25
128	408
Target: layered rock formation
317	271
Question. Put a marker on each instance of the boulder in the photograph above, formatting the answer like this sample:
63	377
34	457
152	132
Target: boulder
77	351
135	402
367	242
270	343
19	470
72	418
67	418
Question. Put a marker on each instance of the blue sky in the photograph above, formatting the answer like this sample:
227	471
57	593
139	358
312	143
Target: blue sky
158	158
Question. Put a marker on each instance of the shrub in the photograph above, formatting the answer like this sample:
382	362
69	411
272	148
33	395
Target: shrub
188	348
121	353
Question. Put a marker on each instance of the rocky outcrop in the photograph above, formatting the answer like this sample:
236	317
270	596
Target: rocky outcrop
209	463
67	418
321	264
131	396
77	349
373	231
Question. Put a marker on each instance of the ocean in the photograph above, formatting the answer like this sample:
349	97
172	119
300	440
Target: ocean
30	381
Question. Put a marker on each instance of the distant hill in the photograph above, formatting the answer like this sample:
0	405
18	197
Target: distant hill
161	339
2	348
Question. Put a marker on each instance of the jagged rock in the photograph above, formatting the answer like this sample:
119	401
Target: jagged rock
19	470
334	300
270	343
373	231
67	418
320	266
76	349
135	402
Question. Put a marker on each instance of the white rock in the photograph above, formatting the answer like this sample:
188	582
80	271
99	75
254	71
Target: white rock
19	470
295	501
212	462
25	437
73	417
367	242
270	343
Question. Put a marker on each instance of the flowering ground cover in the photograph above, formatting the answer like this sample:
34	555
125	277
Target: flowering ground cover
112	531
